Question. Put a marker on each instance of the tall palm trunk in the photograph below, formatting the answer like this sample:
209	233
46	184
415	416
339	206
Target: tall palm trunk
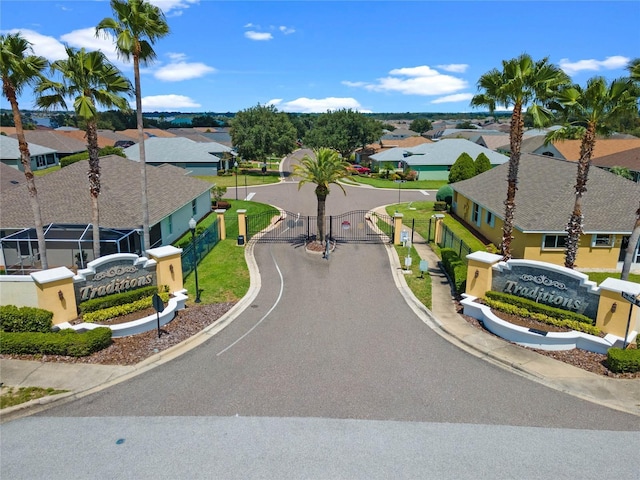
25	159
94	183
631	248
143	158
515	141
321	194
574	227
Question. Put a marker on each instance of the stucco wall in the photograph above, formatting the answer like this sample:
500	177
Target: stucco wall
18	290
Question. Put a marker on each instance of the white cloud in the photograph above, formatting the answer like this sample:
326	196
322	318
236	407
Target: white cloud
317	105
609	63
454	67
179	69
286	30
421	80
167	102
258	36
458	97
42	45
86	38
173	8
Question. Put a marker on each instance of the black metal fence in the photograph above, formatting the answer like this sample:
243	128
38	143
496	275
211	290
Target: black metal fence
204	243
451	240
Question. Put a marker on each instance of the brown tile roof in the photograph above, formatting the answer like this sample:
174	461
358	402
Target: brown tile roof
627	159
570	149
546	195
401	142
8	130
81	136
132	133
63	144
64	195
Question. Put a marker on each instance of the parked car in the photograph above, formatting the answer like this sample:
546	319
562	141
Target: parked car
359	169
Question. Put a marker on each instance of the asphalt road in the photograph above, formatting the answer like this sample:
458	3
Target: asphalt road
329	374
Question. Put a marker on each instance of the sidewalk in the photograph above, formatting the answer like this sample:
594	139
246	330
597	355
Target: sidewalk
83	379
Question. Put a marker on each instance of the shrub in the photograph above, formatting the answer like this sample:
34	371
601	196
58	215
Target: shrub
445	194
440	206
536	307
482	163
116	311
116	299
25	319
455	268
64	342
462	169
620	360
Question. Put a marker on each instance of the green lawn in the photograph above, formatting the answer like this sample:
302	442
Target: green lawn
43	172
420	284
598	277
382	183
10	396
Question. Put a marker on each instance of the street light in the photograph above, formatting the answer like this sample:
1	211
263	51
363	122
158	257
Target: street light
192	227
235	165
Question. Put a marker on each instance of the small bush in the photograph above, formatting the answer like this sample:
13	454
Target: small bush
455	268
25	319
439	206
445	194
536	307
620	360
116	311
64	342
116	299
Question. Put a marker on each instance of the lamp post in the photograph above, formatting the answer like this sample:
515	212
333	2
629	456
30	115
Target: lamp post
235	165
192	227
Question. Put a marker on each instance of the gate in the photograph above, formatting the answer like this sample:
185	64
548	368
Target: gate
359	226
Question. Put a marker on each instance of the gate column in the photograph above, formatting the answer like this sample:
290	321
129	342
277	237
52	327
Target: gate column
242	224
397	227
222	230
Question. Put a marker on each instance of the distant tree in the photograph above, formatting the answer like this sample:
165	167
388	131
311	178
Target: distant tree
420	125
19	68
388	126
622	172
6	120
261	131
343	130
465	125
205	121
462	169
482	163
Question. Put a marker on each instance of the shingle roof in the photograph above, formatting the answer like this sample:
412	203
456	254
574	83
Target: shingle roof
64	195
81	136
10	177
57	141
177	149
132	133
627	159
9	148
546	195
444	152
570	149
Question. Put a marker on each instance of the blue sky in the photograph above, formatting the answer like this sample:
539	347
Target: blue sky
371	56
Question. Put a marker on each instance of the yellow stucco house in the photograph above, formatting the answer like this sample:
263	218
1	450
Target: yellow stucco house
544	202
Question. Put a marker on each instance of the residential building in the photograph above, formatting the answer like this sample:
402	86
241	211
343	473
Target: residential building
41	157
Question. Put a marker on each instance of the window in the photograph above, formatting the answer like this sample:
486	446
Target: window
170	220
490	219
554	241
602	240
194	207
41	161
475	214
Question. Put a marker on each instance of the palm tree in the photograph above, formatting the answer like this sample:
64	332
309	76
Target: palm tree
136	27
90	80
18	69
521	83
592	110
634	69
323	169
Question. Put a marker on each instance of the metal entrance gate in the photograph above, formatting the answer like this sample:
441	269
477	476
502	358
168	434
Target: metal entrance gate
359	226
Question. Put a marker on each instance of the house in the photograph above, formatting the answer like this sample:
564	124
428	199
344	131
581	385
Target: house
433	161
41	157
398	134
194	157
64	145
363	154
65	202
544	202
570	149
629	159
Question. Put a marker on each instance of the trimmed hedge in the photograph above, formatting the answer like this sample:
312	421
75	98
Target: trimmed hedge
116	299
65	342
541	317
25	319
620	360
536	307
107	313
455	268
